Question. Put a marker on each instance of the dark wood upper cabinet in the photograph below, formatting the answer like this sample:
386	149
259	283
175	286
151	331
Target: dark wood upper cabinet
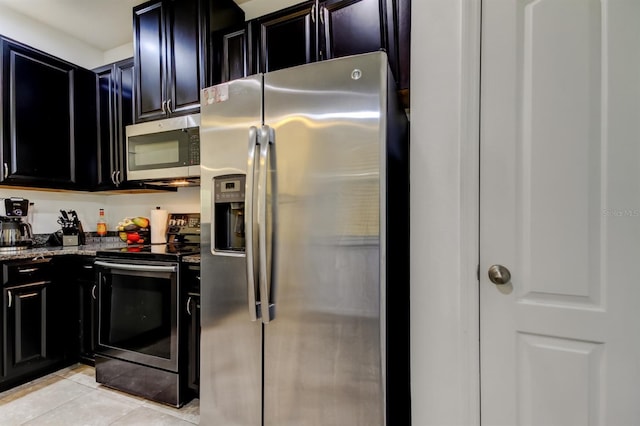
48	105
171	43
404	46
230	54
286	38
235	51
317	30
168	58
350	27
185	52
115	112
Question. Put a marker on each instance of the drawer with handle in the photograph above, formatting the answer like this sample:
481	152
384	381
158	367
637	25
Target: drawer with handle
26	271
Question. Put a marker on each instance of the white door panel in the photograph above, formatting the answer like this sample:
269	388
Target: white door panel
560	208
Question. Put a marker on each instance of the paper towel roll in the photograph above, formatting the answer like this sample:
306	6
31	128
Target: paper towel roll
158	220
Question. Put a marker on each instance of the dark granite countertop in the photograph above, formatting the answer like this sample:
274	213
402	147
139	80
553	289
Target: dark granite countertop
84	250
92	246
194	258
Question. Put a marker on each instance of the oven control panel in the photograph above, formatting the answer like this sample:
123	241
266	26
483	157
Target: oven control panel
183	227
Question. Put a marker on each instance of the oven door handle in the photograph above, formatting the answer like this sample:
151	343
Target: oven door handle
141	268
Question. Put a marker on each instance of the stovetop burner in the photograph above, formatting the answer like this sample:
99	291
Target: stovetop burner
151	251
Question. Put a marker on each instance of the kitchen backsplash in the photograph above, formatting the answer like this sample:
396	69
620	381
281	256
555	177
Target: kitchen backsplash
47	206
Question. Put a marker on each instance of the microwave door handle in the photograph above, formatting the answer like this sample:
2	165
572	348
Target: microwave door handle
249	225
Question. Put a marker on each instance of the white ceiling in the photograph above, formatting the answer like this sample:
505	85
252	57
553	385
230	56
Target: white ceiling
103	24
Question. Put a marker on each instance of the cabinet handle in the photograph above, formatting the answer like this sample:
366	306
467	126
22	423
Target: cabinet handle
313	13
28	270
118	177
93	292
189	305
113	177
87	266
6	170
169	106
29	295
321	14
10	297
198	277
164	111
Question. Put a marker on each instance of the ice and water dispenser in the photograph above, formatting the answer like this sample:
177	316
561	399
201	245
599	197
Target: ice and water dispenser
229	213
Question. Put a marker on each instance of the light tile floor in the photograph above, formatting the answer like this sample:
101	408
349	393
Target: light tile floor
71	397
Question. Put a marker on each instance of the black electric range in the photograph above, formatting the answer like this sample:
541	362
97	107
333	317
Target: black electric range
183	239
154	252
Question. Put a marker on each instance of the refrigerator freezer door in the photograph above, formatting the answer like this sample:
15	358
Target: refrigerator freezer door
231	343
323	350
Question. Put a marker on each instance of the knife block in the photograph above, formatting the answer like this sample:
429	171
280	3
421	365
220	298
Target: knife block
69	240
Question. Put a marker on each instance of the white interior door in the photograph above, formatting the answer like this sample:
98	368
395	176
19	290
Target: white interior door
560	209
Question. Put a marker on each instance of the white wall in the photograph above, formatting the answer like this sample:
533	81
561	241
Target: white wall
48	204
117	54
255	8
444	212
25	30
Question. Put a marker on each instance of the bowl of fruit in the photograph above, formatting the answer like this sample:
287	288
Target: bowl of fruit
134	230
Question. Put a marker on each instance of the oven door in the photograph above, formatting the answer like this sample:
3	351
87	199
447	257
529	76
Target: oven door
138	312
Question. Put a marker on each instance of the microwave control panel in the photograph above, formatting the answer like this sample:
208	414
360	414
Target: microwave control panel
194	147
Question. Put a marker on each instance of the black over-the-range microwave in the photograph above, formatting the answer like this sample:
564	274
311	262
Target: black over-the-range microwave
164	150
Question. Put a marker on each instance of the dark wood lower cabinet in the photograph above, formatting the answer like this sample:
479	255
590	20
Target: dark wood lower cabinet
32	321
87	297
192	280
26	343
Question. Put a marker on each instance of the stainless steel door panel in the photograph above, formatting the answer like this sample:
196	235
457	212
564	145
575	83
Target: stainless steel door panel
231	344
323	363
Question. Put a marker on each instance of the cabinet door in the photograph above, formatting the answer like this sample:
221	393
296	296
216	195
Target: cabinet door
88	313
150	54
106	117
36	89
25	316
230	59
286	38
191	279
115	112
185	55
350	27
403	33
124	114
194	342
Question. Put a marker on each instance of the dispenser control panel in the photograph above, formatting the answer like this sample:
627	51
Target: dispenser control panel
229	189
228	210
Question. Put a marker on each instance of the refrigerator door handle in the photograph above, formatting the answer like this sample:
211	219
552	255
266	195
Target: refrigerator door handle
249	226
266	221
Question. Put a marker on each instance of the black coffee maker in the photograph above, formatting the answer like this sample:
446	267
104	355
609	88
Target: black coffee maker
15	231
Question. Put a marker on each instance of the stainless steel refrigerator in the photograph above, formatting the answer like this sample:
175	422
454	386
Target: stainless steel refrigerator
305	248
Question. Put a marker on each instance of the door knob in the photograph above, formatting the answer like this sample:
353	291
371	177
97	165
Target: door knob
498	274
